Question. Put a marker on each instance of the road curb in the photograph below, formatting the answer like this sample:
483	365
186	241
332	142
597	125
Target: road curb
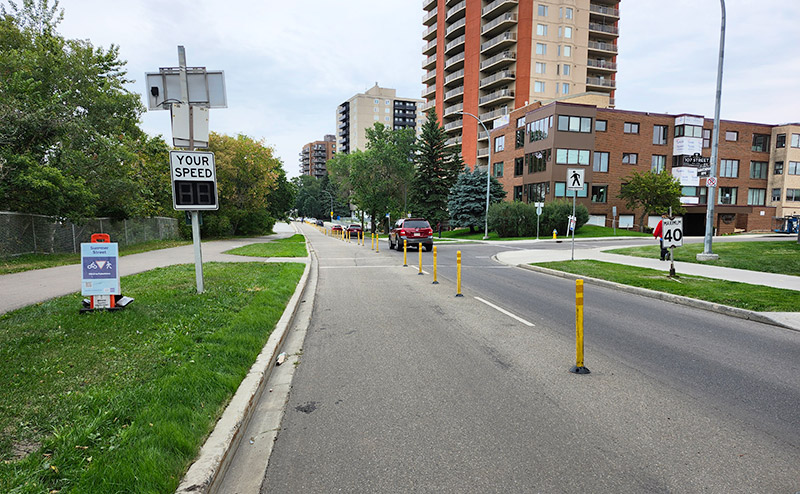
667	297
217	451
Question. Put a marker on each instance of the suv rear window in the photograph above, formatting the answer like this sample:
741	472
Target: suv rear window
416	224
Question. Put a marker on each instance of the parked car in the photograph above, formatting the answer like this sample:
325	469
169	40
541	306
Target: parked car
320	223
354	230
416	231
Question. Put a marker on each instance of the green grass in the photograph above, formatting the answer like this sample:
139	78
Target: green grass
28	262
586	231
769	257
742	295
294	246
122	401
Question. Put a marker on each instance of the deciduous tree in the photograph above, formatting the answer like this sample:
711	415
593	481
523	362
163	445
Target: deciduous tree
654	193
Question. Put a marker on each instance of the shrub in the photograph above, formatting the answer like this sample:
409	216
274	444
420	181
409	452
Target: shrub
513	219
555	216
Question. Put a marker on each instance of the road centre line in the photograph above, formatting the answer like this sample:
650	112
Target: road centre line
523	321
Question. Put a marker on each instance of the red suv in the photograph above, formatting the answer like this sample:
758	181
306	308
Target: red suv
354	230
417	231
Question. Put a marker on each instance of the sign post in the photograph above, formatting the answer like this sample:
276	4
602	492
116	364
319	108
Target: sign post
539	206
574	183
672	231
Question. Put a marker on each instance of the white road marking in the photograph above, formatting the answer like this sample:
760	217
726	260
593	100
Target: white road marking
523	321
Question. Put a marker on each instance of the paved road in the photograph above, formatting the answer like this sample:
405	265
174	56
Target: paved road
403	387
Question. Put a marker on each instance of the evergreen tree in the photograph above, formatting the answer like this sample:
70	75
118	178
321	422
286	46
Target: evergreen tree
436	171
467	203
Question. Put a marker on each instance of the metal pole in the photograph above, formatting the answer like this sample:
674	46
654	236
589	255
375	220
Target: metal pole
574	195
711	198
488	175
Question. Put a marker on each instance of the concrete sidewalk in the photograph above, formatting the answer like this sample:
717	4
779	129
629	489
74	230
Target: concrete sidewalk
788	282
31	287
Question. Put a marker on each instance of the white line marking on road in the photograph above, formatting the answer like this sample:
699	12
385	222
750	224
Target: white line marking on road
523	321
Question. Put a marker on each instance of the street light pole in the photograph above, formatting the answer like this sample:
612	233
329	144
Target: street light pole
331	196
488	174
707	255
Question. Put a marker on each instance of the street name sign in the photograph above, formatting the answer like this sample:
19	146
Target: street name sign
194	181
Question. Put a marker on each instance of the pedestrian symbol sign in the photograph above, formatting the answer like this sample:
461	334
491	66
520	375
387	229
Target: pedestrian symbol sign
575	178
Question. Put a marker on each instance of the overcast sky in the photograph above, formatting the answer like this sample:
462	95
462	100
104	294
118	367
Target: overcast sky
289	64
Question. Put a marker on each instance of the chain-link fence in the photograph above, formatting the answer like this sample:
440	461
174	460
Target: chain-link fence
22	233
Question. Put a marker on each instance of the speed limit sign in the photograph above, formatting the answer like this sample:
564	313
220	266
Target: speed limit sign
672	231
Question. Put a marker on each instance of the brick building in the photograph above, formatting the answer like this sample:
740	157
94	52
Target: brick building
315	155
758	177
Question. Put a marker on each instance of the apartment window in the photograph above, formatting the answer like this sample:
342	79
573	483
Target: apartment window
568	13
565	88
758	169
600	163
376	118
519	139
541	68
729	168
499	144
793	195
539	129
538	191
776	195
497	169
756	197
386	110
760	143
706	138
542	10
660	134
386	119
796	140
538	87
727	195
537	161
572	157
521	122
658	163
518	193
688	131
780	141
567	32
377	101
567	51
731	135
518	166
630	128
599	193
566	69
568	123
630	158
541	29
541	49
794	168
600	125
778	168
375	109
561	190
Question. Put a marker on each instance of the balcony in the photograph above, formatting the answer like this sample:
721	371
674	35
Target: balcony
428	4
454	77
429	63
429	77
497	97
456	29
601	46
453	109
493	114
504	40
599	82
429	33
453	94
428	105
456	43
498	7
454	62
430	17
482	135
603	29
483	152
457	11
499	60
497	25
429	91
601	65
601	10
457	124
429	48
453	141
497	78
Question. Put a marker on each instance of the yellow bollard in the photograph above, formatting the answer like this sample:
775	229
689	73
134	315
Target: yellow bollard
371	241
555	233
419	249
579	367
377	239
405	250
435	282
458	274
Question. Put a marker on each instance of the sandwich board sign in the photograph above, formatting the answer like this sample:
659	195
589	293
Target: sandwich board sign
99	273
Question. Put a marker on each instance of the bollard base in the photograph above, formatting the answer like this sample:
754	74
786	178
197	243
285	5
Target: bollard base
459	295
435	283
579	370
421	274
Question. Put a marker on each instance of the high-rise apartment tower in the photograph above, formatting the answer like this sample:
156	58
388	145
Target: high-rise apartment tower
488	57
315	155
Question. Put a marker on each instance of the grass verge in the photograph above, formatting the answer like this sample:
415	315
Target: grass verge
28	262
742	295
294	246
769	257
121	402
586	231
